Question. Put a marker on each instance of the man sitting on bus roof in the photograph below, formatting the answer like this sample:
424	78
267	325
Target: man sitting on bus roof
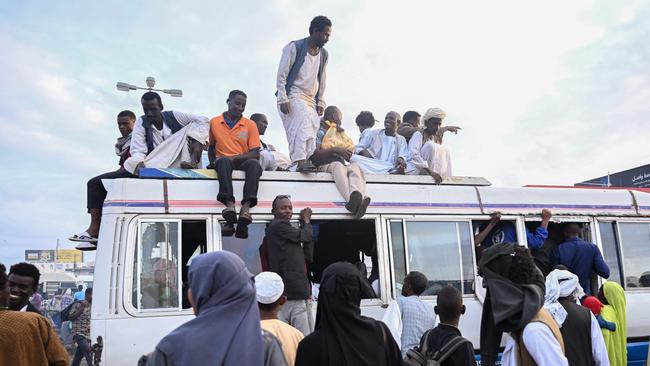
383	151
270	158
410	124
95	191
580	256
235	145
166	139
428	156
348	178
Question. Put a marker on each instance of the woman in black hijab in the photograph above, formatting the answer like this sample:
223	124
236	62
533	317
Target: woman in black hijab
343	337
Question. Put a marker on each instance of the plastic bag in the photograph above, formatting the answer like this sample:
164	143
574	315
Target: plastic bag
334	138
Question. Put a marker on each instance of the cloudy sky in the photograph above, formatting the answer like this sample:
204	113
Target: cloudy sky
546	93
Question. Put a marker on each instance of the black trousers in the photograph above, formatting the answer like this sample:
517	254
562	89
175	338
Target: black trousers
224	168
96	191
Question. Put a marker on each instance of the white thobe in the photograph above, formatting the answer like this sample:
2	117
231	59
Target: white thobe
172	148
302	121
540	343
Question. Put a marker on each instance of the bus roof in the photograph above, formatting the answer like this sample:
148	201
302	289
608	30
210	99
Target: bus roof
173	191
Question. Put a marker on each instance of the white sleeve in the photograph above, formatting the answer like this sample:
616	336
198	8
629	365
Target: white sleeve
509	356
321	87
138	147
414	149
542	345
287	60
200	129
599	350
403	151
393	319
364	141
185	119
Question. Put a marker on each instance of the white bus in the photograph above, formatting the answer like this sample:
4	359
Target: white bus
152	227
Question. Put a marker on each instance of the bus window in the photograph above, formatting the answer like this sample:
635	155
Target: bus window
635	241
348	241
611	253
442	250
399	256
164	250
247	249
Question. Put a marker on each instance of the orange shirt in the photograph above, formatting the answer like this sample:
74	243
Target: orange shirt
238	140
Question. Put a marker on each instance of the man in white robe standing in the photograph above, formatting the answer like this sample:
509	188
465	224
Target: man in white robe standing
300	91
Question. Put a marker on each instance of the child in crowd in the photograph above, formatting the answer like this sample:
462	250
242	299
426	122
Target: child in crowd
596	306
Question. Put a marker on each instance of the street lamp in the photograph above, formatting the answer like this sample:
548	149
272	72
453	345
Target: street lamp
151	82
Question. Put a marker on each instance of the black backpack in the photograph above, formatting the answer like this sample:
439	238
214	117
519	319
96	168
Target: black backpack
72	311
418	355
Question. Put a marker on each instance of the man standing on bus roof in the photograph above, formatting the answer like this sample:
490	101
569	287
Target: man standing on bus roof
301	90
289	249
23	282
580	257
235	145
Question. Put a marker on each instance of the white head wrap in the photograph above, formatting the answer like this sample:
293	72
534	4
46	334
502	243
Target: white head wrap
559	283
68	292
269	287
433	112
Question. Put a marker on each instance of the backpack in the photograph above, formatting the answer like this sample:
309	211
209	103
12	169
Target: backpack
418	356
72	311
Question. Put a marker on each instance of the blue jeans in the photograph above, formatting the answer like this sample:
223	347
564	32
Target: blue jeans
83	350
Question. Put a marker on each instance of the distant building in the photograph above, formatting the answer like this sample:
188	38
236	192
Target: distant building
634	178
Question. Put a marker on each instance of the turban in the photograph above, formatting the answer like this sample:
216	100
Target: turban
433	113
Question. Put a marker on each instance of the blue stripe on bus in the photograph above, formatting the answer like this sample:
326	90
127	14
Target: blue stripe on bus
134	204
554	205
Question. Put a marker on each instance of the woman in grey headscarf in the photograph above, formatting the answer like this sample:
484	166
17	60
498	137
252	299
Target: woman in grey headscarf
226	330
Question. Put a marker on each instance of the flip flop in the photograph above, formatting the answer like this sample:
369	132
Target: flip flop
362	208
83	237
85	246
230	215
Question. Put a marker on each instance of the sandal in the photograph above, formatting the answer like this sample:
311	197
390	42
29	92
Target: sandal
230	215
227	229
307	167
86	246
83	237
242	231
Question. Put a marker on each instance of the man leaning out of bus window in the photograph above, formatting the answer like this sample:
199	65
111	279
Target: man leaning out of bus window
499	232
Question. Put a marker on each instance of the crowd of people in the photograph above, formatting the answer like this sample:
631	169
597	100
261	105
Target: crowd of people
550	316
267	319
316	141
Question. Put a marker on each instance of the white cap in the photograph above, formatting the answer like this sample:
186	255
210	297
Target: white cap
269	287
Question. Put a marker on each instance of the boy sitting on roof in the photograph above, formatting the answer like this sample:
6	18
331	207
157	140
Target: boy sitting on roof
349	179
96	193
235	145
365	121
383	151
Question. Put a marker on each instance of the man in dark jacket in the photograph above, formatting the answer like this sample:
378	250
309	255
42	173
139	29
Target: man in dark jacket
289	249
581	257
